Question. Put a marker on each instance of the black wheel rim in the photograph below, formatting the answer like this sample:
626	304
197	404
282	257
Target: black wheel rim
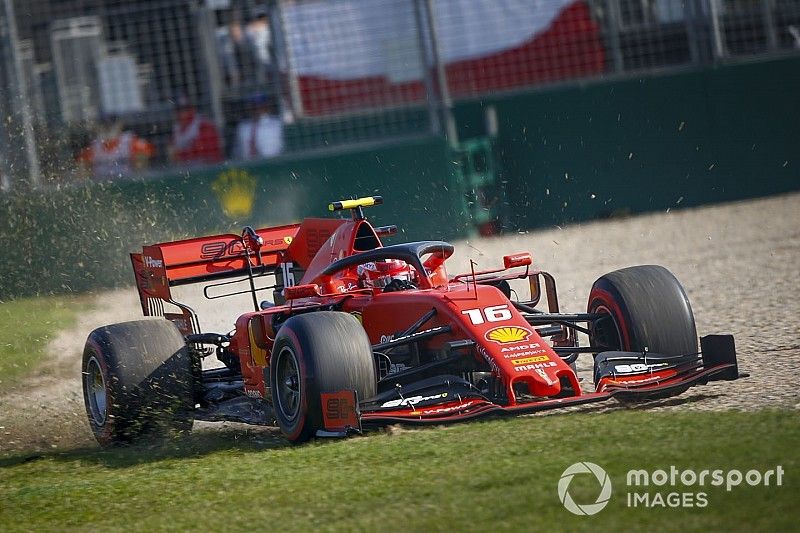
605	330
287	383
96	394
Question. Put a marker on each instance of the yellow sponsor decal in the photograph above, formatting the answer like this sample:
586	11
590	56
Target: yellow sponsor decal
529	360
259	355
508	334
236	191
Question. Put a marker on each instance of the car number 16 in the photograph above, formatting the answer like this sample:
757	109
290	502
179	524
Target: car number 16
493	313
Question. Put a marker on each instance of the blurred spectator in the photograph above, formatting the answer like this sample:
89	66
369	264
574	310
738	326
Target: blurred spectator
795	33
228	36
258	36
245	50
237	46
195	138
261	135
115	151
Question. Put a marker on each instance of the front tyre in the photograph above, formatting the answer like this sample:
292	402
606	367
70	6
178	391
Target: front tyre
315	353
644	308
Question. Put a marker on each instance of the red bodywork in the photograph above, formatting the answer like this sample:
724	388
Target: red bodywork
503	341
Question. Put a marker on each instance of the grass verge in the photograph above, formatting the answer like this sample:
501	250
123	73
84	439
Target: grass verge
499	474
26	326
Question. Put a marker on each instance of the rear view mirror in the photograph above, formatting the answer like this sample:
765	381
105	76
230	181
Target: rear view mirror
517	260
301	291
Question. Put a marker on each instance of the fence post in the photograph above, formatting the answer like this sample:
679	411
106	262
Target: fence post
692	36
207	36
19	88
717	29
430	86
441	77
768	13
613	18
283	51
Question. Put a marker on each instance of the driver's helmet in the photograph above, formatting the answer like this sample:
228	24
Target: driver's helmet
380	274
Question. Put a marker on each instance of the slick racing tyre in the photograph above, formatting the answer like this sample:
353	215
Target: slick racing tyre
314	353
137	381
645	308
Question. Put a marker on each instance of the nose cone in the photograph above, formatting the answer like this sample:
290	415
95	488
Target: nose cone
511	346
531	362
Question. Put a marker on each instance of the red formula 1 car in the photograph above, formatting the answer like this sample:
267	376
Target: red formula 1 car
360	335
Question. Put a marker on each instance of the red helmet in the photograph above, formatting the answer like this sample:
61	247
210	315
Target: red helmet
380	274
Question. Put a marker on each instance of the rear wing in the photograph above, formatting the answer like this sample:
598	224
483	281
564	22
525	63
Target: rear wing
164	265
161	266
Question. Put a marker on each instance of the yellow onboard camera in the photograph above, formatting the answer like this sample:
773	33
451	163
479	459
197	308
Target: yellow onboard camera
367	201
356	206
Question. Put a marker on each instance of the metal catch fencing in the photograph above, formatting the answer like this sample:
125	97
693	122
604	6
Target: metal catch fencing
107	89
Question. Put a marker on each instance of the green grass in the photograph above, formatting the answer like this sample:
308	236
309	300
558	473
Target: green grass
499	474
26	326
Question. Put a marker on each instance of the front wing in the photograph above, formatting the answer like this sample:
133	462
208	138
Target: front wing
717	363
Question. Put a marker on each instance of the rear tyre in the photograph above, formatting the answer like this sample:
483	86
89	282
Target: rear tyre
646	308
315	353
137	381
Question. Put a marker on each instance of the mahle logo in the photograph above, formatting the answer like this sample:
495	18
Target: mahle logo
588	509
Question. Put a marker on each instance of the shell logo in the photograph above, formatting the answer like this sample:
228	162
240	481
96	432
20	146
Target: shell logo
508	334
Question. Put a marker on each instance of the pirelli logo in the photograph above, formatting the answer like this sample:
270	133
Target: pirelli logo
529	360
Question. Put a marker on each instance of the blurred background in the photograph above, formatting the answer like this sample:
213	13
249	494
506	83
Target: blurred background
125	121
